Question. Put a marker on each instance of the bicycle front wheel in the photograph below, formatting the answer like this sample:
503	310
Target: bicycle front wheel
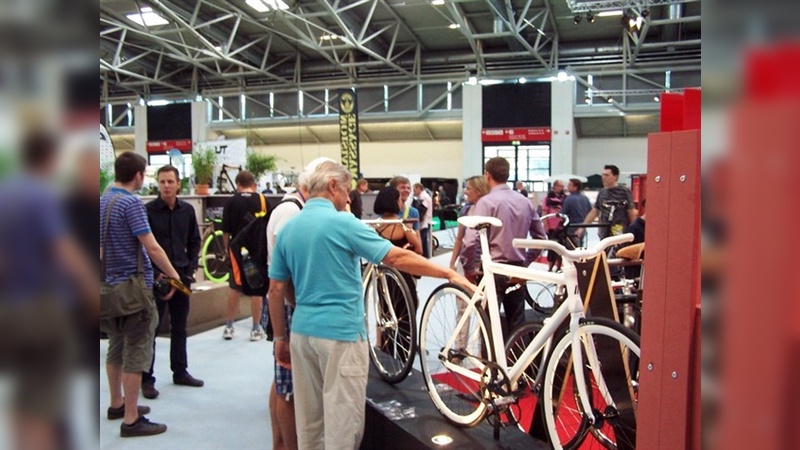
216	265
611	370
391	324
452	373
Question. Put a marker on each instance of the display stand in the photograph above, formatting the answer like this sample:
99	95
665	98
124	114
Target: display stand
668	411
412	433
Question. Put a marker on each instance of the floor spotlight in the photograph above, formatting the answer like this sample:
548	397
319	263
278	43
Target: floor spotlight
577	19
590	17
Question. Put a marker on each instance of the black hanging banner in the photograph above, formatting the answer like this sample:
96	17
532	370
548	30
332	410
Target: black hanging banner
348	131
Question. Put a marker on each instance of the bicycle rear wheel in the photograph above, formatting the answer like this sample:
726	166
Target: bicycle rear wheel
527	388
216	265
453	375
391	324
611	370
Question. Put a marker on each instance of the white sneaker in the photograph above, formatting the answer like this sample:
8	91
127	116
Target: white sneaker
256	335
227	334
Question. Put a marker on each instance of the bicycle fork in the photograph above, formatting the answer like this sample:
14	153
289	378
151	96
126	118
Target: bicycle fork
578	365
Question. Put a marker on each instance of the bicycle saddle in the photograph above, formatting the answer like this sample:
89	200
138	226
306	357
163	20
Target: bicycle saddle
631	252
476	221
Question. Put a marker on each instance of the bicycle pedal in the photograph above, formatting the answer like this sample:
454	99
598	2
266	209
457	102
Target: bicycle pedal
506	400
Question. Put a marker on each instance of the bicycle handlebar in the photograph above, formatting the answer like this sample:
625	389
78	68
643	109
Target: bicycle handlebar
573	255
388	221
561	216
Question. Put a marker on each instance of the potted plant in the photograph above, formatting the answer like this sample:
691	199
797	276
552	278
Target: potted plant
203	162
258	164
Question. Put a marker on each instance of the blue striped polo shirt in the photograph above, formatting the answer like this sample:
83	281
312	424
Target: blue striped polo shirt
128	221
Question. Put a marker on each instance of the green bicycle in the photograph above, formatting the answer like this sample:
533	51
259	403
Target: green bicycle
214	255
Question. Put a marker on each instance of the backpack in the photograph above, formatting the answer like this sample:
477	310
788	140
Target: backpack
417	203
253	237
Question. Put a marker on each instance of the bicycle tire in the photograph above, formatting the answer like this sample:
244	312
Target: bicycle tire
394	355
527	386
457	397
544	302
216	266
615	421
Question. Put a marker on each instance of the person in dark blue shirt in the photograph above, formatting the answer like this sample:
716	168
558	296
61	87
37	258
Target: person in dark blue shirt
576	206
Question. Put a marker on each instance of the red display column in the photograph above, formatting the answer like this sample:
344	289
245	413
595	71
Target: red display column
671	291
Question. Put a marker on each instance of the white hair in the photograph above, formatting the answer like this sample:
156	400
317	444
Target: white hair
328	170
302	179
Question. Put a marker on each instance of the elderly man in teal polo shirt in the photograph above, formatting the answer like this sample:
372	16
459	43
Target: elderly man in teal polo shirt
318	252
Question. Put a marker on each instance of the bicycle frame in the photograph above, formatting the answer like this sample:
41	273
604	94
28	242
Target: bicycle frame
572	307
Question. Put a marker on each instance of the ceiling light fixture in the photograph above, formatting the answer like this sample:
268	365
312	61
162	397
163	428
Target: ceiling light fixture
656	99
437	2
258	5
590	17
577	19
615	13
147	18
489	82
266	5
454	26
645	13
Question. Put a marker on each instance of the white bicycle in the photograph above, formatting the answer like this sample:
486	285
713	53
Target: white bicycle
470	374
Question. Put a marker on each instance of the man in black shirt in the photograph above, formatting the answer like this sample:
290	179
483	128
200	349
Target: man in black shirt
174	226
356	205
239	211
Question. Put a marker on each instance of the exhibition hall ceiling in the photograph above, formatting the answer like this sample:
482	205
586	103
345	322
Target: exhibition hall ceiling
158	49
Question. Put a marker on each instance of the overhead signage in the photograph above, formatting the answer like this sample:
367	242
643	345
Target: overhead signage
164	146
516	134
348	131
232	152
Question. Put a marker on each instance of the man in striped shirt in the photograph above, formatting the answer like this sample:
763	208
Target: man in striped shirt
130	338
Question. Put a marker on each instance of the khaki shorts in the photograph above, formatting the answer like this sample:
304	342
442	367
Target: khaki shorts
130	339
37	350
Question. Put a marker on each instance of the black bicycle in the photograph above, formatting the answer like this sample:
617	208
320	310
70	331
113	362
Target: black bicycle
225	184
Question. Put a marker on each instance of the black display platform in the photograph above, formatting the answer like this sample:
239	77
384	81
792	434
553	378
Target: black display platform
381	433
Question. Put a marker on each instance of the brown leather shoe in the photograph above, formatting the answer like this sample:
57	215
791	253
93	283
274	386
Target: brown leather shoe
119	413
187	380
142	427
149	391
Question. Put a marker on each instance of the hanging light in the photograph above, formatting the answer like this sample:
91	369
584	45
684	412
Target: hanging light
590	17
577	19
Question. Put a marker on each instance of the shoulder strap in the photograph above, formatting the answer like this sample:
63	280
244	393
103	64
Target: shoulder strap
139	264
405	212
293	200
263	206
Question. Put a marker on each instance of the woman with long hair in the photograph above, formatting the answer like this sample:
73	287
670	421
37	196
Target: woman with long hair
475	188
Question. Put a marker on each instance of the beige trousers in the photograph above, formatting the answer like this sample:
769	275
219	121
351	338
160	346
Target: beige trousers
330	390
